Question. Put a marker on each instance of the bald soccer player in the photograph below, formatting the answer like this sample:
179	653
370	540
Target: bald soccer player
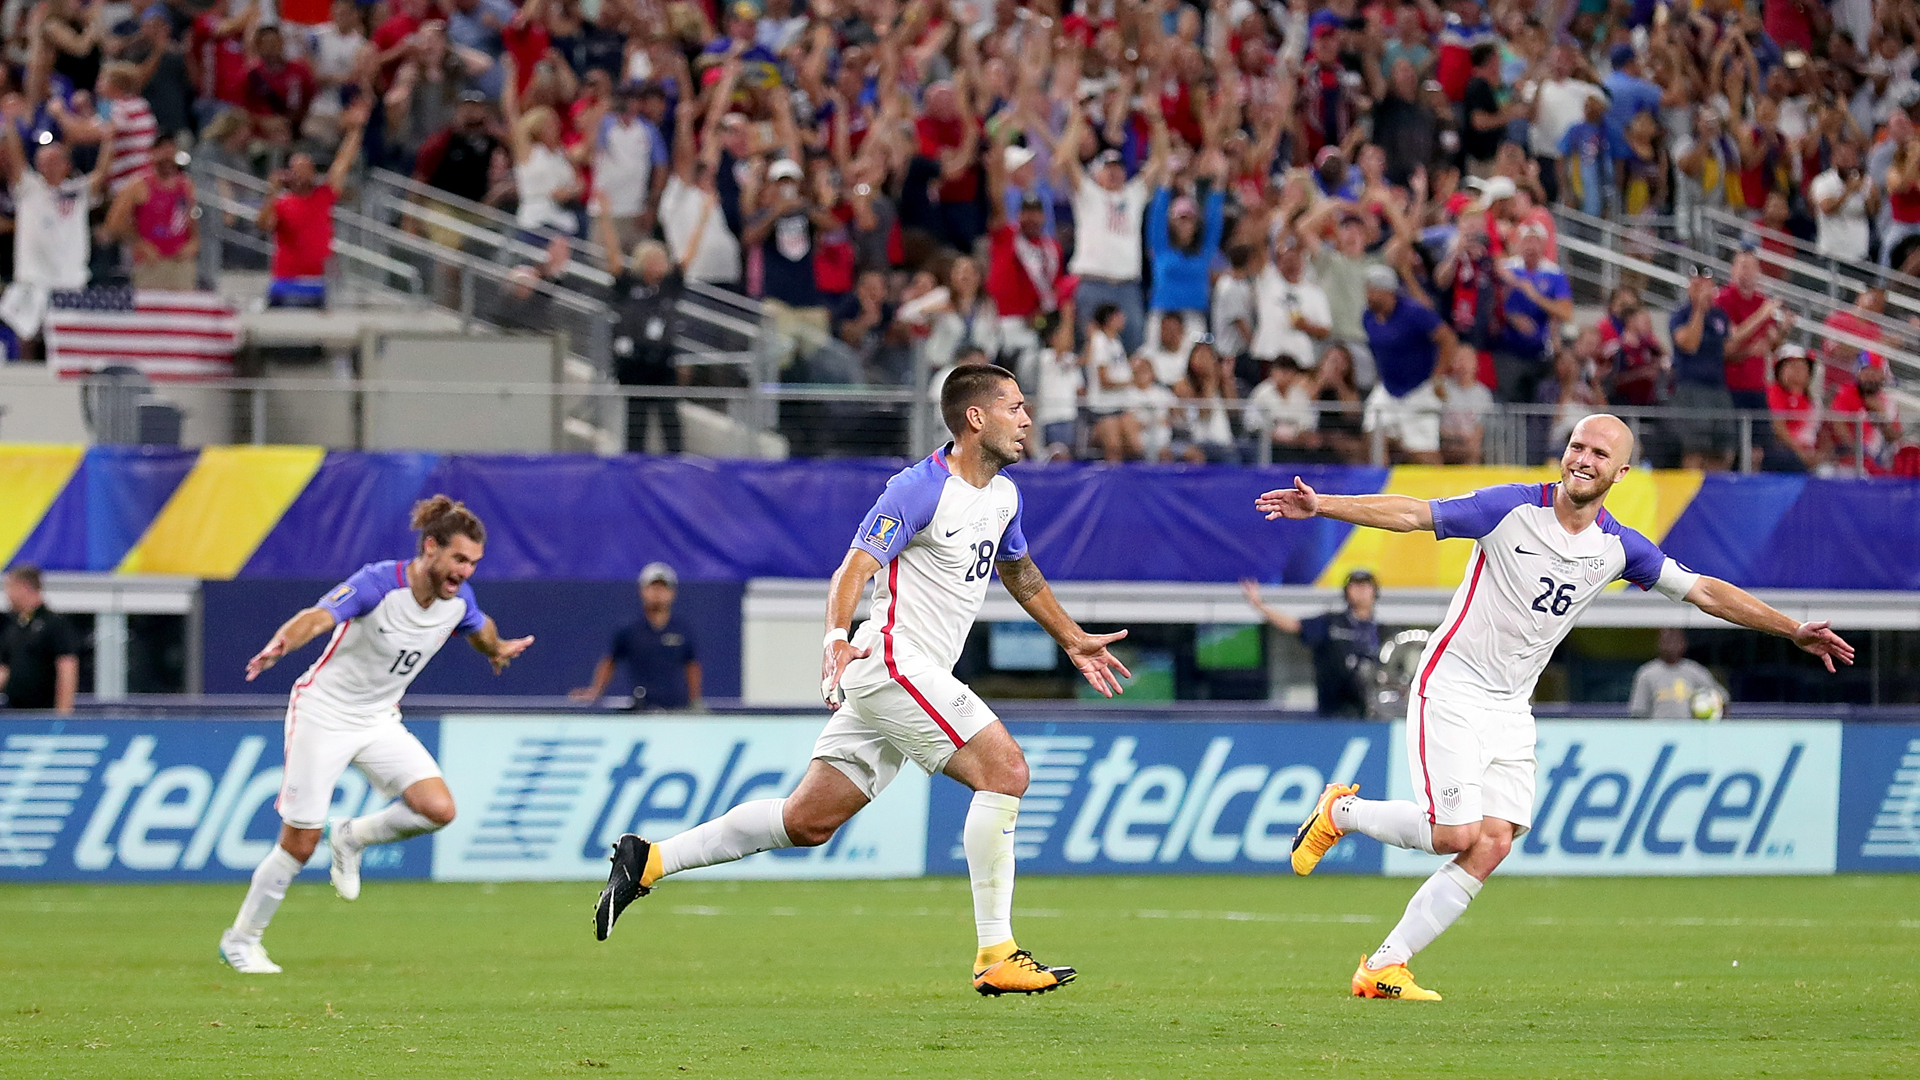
1542	553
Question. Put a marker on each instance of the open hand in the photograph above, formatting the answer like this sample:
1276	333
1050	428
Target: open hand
277	648
506	651
1819	639
1295	504
1091	657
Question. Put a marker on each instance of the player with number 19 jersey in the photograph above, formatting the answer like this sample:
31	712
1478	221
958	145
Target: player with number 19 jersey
381	641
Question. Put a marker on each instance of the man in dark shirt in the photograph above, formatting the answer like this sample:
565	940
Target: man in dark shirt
1345	644
1486	121
39	652
1404	127
784	229
1700	332
645	298
659	652
456	160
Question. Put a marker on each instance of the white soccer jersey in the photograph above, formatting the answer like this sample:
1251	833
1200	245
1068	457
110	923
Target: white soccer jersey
937	538
1527	583
382	639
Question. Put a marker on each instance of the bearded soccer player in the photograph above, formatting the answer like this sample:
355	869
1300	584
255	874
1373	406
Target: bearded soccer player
937	534
1542	553
386	622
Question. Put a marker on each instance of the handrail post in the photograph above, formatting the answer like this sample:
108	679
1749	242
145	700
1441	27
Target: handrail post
257	400
1746	442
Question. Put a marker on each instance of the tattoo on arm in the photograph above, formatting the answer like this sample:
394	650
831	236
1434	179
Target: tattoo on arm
1022	578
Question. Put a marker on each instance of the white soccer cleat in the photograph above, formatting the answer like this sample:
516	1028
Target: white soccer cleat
246	955
345	867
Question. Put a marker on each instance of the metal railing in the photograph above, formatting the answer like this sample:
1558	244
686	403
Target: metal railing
1842	280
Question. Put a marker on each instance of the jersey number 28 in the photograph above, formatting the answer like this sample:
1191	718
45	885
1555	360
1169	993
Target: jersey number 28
1555	598
982	561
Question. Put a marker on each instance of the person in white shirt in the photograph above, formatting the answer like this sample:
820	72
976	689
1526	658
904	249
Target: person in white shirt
1541	554
626	153
1281	409
1233	305
1167	352
1559	103
1843	198
1291	317
1057	408
690	213
1110	386
334	51
1465	403
50	238
1204	426
1109	212
1151	405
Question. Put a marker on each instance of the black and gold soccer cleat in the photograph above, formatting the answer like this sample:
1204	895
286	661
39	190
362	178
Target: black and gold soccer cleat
636	866
1020	973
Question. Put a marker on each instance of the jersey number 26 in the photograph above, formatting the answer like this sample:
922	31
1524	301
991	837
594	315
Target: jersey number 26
1555	598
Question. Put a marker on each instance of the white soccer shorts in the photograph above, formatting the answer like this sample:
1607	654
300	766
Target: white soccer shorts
319	749
1471	761
925	715
1414	420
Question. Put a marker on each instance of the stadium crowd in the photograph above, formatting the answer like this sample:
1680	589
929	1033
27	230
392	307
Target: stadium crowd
1189	227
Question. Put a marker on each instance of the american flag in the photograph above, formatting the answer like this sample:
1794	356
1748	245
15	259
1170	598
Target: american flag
165	335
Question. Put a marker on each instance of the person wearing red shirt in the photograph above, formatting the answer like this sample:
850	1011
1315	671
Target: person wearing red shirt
393	38
1754	316
950	136
298	214
217	54
1862	408
1795	446
1857	321
527	41
279	90
1024	266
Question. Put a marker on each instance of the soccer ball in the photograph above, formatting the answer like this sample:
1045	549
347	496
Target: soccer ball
1708	705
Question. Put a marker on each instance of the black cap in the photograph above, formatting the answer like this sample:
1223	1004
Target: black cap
1360	577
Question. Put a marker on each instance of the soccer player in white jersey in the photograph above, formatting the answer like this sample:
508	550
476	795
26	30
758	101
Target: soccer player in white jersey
1542	553
935	537
386	622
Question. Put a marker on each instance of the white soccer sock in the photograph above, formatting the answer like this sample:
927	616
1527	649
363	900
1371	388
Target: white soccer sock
1396	822
742	831
988	840
395	821
1440	900
270	881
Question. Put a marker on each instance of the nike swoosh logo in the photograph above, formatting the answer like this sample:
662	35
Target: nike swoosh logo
1006	832
1524	551
951	532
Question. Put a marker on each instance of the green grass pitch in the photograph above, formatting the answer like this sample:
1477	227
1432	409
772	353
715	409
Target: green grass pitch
1200	977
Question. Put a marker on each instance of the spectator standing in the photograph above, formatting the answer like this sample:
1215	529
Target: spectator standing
966	320
658	649
1844	200
691	215
784	227
39	650
1183	238
1151	403
50	238
1700	329
1559	105
1341	272
949	136
298	213
1110	387
1345	644
217	56
1755	319
1630	95
458	158
1291	313
1024	269
629	162
1638	373
154	214
1665	688
1281	409
1865	424
1486	118
1056	409
1586	175
125	132
339	50
1405	337
1796	445
645	296
279	88
1405	126
543	170
1232	312
1538	300
1465	405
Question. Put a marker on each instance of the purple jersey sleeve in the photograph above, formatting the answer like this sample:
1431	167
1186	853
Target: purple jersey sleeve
1645	560
902	510
475	619
362	592
1013	542
1474	514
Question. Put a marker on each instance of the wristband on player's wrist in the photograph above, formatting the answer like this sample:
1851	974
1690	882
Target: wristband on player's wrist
838	633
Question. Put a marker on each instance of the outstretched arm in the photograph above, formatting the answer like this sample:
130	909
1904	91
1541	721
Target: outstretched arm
291	637
1394	513
487	642
1742	608
1087	651
1282	621
843	599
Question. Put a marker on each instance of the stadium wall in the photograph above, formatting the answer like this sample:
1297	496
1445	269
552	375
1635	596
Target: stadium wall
154	800
291	512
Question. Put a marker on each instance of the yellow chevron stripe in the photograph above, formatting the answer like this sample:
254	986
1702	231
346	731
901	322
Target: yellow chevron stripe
1645	500
31	477
231	499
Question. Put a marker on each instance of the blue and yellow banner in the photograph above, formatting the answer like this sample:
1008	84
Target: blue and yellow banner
304	512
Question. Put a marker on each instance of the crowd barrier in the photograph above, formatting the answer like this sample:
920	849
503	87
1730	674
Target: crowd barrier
303	512
541	798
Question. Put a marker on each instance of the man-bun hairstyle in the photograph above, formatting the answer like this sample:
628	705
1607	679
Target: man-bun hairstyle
441	519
